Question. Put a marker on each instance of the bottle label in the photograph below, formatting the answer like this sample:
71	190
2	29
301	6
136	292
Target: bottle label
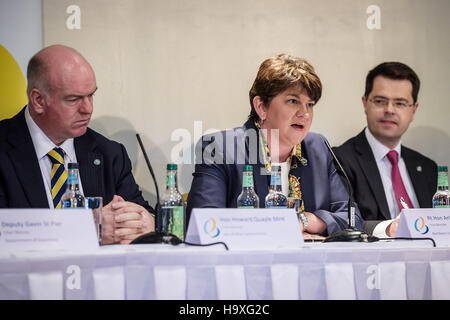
246	207
444	206
275	180
442	180
72	179
174	220
170	182
247	181
276	207
72	203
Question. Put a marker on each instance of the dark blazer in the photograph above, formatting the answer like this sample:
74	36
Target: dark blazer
21	183
217	182
358	161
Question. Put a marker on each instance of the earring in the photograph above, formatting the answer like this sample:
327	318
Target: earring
262	121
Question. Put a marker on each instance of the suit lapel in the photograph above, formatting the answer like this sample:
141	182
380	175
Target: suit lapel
369	167
91	166
24	158
417	178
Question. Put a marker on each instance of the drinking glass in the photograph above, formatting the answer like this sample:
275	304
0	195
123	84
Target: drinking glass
96	205
295	203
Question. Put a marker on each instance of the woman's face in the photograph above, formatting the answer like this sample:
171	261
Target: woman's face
291	111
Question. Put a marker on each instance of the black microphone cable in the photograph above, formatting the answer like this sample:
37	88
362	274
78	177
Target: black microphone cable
169	238
174	240
205	245
375	239
368	238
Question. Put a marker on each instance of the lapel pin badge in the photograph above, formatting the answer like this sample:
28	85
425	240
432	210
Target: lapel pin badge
419	168
304	161
97	162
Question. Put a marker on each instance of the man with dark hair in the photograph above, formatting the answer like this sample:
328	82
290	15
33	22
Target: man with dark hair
387	176
51	131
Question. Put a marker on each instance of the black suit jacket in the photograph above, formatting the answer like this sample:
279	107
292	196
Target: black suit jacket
358	161
21	183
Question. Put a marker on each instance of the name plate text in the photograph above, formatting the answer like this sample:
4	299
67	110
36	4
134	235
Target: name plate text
426	223
47	230
245	228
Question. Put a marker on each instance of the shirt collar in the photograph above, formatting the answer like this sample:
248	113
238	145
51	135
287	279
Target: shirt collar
42	144
379	150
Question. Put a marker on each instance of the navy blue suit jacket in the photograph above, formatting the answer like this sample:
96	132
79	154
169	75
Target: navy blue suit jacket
217	181
21	183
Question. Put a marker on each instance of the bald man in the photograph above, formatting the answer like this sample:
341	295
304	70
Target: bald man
61	87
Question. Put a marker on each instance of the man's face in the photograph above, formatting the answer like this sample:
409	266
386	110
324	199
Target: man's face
389	122
69	102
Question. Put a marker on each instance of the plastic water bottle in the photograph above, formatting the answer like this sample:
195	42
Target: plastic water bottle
173	205
442	196
72	198
248	197
275	198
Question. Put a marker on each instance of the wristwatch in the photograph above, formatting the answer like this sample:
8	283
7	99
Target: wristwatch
304	218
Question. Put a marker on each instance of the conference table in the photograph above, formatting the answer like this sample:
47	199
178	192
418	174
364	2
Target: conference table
366	271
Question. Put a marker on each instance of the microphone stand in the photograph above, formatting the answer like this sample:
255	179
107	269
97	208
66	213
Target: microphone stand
158	236
350	234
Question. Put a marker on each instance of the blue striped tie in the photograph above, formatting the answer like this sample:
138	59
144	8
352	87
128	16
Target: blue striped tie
58	175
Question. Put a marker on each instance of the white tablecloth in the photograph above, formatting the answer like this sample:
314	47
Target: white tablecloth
400	270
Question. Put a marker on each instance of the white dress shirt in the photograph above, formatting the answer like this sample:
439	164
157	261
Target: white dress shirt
42	145
384	168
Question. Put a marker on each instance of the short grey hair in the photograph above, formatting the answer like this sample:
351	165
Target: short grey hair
37	75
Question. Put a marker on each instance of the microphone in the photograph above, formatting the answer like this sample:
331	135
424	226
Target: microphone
157	236
149	166
160	236
351	234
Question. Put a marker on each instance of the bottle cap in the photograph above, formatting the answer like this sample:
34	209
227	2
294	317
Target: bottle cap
172	166
72	165
442	169
248	168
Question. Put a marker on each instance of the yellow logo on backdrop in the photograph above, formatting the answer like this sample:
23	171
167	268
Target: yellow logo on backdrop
13	87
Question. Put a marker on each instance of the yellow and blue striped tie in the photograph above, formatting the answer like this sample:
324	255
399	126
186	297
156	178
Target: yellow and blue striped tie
58	175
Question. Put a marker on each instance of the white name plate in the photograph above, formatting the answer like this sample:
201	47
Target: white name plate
245	228
47	230
425	223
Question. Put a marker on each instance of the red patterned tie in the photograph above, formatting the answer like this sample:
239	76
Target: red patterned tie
397	183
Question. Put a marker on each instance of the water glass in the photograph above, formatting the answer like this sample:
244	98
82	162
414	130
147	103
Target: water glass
96	205
295	203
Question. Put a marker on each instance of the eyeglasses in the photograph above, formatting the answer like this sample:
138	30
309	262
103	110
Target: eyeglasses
382	103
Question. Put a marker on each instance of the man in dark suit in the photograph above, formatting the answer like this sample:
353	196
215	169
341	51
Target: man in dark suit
61	85
380	169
